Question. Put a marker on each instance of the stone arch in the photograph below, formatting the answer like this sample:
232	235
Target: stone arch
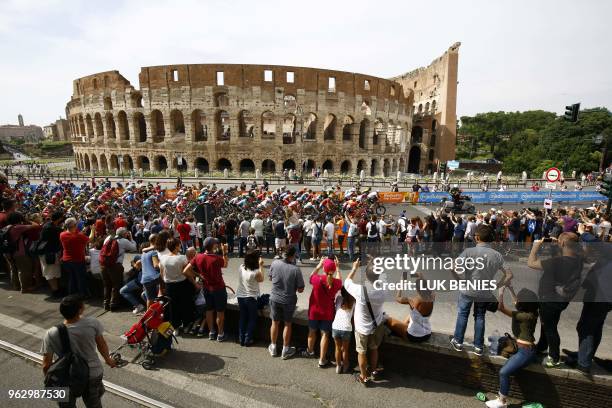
223	125
158	130
374	167
311	127
345	167
98	127
202	165
328	165
420	109
414	159
289	129
124	129
180	167
308	165
198	126
417	135
386	168
221	99
223	164
402	165
128	163
108	102
140	127
81	126
433	106
89	125
177	123
268	166
393	166
431	154
364	128
361	165
160	163
87	164
246	125
347	127
434	124
390	136
94	162
103	163
114	162
427	107
268	125
111	129
143	163
289	164
247	166
379	132
329	127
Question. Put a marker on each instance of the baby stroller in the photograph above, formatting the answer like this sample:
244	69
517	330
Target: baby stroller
152	335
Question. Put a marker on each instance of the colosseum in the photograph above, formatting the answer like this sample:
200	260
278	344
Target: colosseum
246	117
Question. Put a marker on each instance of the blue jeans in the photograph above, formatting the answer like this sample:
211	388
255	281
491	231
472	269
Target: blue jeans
77	277
464	304
350	247
330	247
248	318
242	246
590	329
522	358
127	291
298	253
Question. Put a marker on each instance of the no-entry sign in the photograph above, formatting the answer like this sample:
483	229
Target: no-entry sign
553	175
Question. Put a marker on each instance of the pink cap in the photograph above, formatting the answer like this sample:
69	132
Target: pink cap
329	265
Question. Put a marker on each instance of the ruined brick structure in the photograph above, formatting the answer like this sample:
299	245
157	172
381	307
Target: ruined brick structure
242	117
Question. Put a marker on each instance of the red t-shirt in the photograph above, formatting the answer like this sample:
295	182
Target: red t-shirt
100	228
321	303
74	246
183	230
208	266
3	217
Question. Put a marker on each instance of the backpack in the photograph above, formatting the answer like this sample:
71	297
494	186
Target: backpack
109	253
71	370
506	346
318	232
373	228
7	246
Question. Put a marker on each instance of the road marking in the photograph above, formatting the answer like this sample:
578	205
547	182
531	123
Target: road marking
173	379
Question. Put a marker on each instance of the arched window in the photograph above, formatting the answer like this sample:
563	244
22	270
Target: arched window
268	125
329	127
221	99
108	102
247	166
246	126
289	129
289	101
427	107
103	163
433	106
346	129
379	132
124	129
289	165
202	164
268	166
110	126
223	126
198	126
328	165
420	108
157	126
361	164
89	126
143	163
311	127
98	127
223	164
177	123
364	127
161	164
345	167
417	135
140	127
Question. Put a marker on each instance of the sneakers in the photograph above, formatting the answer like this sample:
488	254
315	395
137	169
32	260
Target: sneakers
338	368
221	337
307	354
288	352
272	350
550	363
138	309
323	364
456	345
313	259
201	332
478	351
212	336
496	403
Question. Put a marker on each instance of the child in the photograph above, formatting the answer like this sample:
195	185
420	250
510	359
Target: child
416	327
342	329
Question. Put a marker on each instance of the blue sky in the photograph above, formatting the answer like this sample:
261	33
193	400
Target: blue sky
517	55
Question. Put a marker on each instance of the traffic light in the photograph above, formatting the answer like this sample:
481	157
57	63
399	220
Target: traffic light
606	185
571	112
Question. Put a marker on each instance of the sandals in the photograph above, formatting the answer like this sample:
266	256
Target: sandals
365	382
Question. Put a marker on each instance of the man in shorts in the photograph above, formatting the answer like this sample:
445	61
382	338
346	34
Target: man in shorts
287	281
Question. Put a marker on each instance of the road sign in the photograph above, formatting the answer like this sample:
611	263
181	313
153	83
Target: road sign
548	203
550	186
452	164
553	174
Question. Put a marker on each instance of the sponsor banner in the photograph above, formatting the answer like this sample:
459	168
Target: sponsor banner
496	197
391	197
170	194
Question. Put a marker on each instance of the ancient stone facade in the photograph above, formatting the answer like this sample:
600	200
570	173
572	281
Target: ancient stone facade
434	130
21	132
242	117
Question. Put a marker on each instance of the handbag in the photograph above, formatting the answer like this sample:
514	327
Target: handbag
506	346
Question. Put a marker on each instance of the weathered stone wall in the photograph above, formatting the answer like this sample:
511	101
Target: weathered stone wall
264	117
